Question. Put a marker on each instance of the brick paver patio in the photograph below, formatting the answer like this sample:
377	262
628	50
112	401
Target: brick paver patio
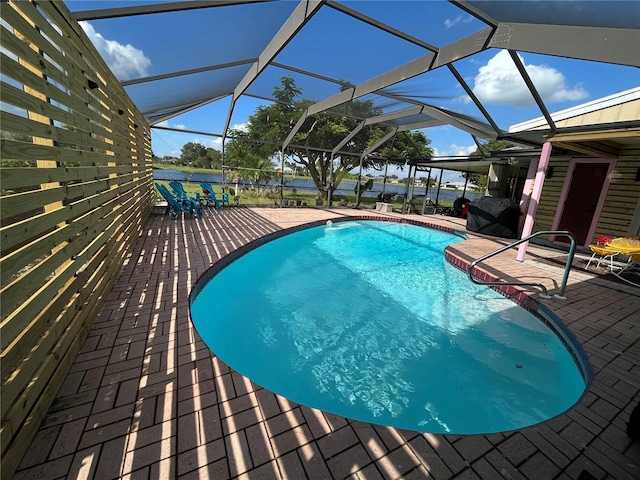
146	398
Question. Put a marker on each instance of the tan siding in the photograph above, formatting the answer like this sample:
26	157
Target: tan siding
622	198
551	194
620	203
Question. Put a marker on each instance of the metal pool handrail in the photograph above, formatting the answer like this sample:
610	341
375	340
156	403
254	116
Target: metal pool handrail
545	294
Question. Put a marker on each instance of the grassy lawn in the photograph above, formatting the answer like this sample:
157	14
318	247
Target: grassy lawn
262	198
253	198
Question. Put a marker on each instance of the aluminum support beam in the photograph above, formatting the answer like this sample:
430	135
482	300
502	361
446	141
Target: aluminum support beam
408	70
474	98
608	45
378	119
420	125
366	152
178	109
460	49
532	89
182	73
379	143
195	132
448	118
340	98
389	117
346	139
382	26
298	18
475	11
103	13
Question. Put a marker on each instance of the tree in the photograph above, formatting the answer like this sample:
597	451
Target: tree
247	162
192	152
197	155
311	146
213	158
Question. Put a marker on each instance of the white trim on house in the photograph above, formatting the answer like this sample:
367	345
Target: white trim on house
583	109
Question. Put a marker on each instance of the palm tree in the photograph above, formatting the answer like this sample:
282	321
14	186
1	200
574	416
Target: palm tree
248	164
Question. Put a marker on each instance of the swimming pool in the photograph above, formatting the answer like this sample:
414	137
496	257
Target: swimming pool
366	319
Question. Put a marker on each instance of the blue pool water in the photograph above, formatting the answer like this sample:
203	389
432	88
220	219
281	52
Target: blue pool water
367	320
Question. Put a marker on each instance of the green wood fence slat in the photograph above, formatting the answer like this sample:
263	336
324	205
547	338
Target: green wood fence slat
24	177
76	189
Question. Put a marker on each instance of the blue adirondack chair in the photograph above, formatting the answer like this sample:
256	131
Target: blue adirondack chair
173	206
224	197
193	203
212	196
178	190
176	205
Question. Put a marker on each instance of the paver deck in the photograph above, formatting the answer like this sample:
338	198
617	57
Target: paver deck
146	398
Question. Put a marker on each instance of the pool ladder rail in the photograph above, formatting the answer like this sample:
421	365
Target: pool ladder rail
545	292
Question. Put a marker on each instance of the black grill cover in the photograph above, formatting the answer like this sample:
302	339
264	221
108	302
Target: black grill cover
494	216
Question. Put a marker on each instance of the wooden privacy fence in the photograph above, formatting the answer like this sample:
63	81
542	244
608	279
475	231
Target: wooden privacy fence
76	188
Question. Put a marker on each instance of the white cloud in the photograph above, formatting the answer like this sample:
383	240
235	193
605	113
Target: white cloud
125	61
448	23
165	124
462	99
454	150
243	127
499	82
209	142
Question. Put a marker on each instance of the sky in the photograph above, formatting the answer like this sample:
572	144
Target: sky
140	46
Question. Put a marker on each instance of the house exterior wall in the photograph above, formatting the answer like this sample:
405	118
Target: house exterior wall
622	198
620	204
